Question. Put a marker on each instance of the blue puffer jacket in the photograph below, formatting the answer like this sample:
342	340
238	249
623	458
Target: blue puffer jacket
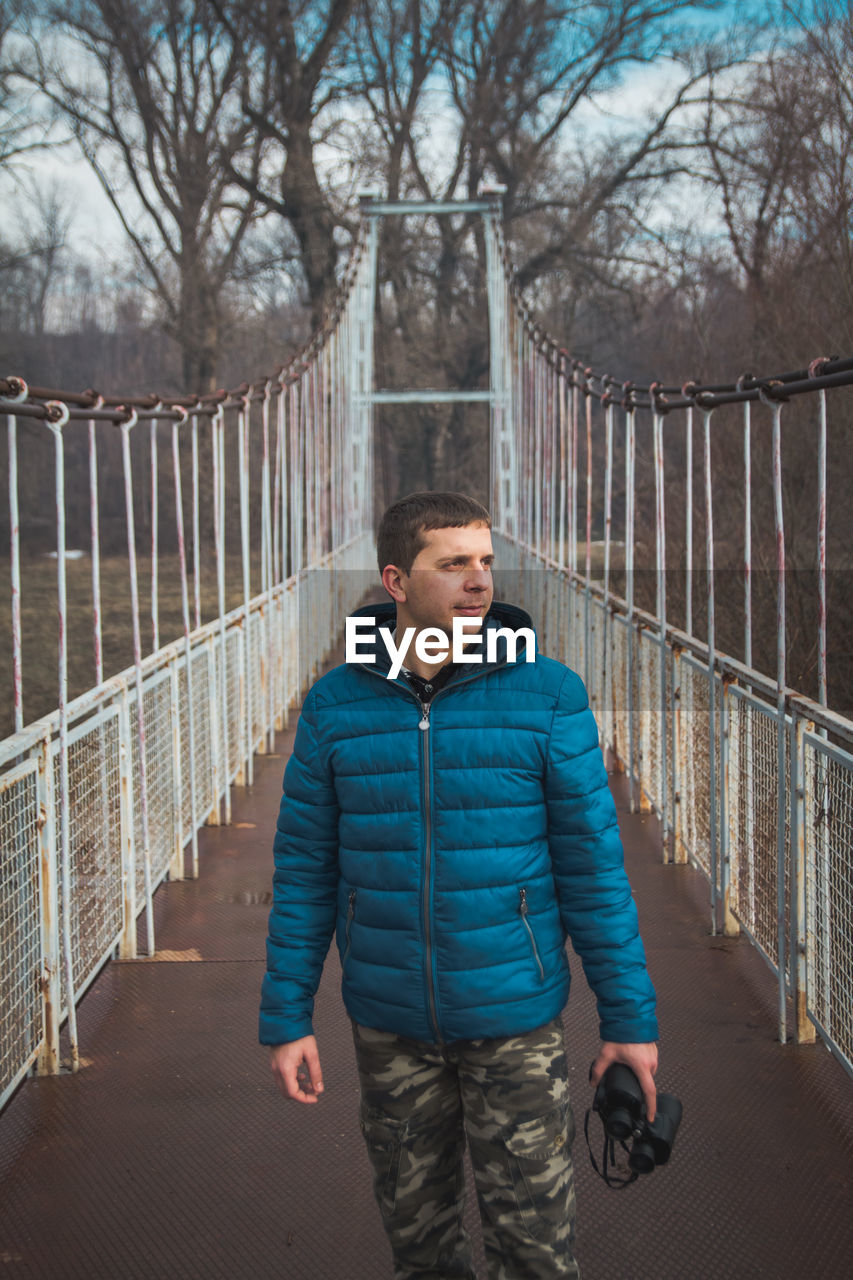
453	861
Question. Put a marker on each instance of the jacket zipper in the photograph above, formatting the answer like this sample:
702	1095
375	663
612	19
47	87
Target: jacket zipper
350	918
522	908
423	726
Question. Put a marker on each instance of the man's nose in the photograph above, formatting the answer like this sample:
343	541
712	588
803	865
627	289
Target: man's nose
478	580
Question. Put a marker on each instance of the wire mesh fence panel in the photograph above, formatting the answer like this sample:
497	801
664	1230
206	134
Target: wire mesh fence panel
21	1028
196	766
94	818
695	757
753	818
257	672
159	767
204	706
829	891
577	632
595	678
290	647
233	728
619	632
651	738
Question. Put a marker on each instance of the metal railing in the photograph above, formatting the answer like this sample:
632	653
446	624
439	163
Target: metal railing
101	800
752	782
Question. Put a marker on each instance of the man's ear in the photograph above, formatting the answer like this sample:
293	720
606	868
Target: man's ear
393	581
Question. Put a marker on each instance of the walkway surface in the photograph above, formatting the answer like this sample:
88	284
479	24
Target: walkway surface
170	1155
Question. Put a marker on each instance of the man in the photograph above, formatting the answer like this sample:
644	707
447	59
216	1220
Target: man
454	825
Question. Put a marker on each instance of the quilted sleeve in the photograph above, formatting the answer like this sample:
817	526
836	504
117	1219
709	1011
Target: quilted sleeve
305	881
596	905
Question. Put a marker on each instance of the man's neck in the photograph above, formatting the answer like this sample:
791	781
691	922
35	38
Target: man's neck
411	661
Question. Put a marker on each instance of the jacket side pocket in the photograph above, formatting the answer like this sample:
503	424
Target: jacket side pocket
348	935
522	911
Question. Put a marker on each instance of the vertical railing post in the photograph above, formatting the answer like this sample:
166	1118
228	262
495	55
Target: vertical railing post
185	612
222	741
609	710
821	550
51	947
749	835
679	757
630	440
562	389
15	555
747	533
660	567
126	427
195	517
804	1029
587	392
57	417
155	542
713	851
730	924
688	522
176	862
267	682
772	396
246	774
96	552
128	940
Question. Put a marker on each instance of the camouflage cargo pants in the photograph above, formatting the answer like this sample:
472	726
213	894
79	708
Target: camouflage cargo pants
510	1097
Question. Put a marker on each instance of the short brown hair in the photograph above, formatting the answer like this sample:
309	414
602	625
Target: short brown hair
403	525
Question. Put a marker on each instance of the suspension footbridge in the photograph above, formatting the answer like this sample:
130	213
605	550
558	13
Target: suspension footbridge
133	816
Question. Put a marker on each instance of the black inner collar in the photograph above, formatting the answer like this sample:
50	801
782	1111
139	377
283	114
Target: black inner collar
426	688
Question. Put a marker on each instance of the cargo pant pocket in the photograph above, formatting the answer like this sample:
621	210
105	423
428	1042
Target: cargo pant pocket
385	1139
540	1165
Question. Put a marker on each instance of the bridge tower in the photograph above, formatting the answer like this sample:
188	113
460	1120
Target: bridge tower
499	397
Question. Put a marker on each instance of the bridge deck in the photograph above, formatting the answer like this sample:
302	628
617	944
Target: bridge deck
171	1156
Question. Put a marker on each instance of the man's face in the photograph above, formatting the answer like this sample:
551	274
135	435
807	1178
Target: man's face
451	578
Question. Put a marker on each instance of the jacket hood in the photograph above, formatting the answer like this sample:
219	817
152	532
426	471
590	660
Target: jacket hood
501	616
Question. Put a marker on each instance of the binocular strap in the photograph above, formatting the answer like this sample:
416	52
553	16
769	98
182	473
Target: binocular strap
608	1158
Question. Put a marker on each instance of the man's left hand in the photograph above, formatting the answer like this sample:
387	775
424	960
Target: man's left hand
643	1061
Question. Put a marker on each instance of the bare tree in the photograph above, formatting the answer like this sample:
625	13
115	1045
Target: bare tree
21	129
490	91
152	95
307	76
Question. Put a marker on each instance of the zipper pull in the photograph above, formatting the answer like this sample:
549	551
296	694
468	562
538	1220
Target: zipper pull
424	721
522	904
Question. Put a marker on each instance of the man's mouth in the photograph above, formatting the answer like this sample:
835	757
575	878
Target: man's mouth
470	610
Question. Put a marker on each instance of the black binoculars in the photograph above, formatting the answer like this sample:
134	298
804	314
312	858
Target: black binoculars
619	1101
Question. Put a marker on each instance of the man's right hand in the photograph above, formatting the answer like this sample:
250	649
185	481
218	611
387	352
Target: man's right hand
296	1068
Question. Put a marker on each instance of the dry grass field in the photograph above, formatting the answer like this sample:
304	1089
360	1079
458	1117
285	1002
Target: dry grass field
40	624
